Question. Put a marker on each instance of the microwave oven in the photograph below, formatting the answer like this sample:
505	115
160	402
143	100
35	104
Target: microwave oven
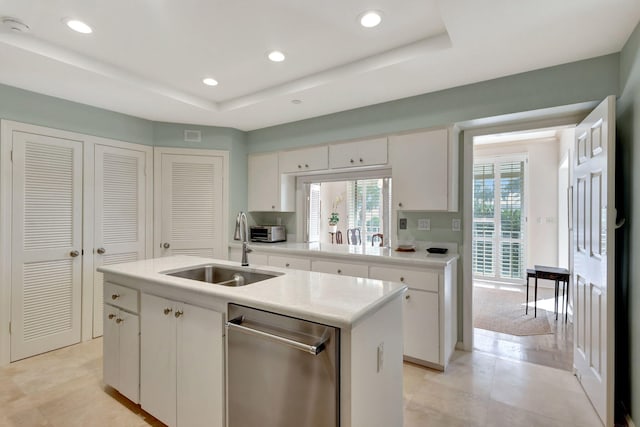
267	233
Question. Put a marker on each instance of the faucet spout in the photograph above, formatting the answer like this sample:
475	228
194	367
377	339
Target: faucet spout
242	233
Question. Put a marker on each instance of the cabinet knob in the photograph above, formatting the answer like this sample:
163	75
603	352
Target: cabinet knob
402	279
286	265
119	320
166	245
339	271
74	254
351	161
167	311
306	166
273	206
115	296
361	160
400	204
407	297
178	313
111	316
101	250
299	166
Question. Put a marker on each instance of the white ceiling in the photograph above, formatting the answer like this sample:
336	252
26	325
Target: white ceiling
147	58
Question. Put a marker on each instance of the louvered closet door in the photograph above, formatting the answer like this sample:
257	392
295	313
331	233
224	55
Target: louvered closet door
46	244
119	214
191	206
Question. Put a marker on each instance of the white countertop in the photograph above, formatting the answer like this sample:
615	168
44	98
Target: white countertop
354	252
339	301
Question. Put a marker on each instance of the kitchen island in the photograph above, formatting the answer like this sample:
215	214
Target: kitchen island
182	358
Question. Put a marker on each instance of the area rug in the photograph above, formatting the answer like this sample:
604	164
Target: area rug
503	311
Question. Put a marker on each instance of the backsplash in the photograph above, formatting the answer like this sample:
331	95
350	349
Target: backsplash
440	224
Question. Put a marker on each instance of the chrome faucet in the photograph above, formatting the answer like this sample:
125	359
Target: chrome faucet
242	233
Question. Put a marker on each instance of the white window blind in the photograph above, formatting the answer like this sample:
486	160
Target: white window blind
314	212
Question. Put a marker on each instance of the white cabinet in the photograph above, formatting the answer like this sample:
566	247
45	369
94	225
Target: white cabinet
295	263
304	159
358	153
339	267
121	342
182	363
269	190
424	171
421	326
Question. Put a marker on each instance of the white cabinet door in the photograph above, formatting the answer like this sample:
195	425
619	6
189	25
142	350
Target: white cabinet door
121	352
290	262
120	214
415	279
46	244
268	189
111	348
190	204
358	153
158	358
421	326
424	171
342	268
182	363
304	159
200	367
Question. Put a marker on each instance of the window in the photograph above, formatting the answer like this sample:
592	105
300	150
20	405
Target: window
498	220
362	202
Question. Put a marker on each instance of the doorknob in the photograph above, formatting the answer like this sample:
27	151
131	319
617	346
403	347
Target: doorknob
74	254
166	245
101	251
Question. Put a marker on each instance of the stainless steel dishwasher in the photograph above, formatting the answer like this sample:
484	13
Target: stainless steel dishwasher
281	371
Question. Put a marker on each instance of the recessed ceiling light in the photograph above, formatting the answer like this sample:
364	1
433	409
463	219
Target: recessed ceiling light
296	101
14	24
78	26
370	19
210	82
276	56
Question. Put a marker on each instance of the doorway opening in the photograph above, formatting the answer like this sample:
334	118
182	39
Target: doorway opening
520	220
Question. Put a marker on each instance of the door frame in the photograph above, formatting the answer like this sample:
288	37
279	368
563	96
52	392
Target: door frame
552	117
157	188
7	127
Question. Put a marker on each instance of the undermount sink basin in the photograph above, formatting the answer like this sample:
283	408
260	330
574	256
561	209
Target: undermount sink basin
223	275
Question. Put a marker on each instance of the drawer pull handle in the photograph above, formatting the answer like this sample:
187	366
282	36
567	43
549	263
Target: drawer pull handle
299	166
351	160
306	166
339	271
115	296
400	204
361	160
407	297
402	279
286	265
179	313
167	311
119	320
111	316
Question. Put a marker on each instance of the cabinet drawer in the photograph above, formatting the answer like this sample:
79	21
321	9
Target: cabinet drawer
121	297
290	262
415	279
343	268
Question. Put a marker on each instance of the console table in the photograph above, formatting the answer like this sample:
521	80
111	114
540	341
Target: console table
549	273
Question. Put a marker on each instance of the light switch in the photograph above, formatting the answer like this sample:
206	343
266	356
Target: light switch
403	223
455	224
380	357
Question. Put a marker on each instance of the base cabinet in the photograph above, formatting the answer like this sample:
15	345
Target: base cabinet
121	340
182	363
421	326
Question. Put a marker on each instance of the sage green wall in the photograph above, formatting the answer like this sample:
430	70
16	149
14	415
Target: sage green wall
214	138
42	110
628	237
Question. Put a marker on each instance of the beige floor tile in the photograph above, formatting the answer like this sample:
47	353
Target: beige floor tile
449	401
502	415
416	415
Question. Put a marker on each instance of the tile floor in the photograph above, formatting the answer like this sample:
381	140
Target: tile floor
64	388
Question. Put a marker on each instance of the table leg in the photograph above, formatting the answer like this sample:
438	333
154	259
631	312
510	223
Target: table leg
566	304
557	296
535	298
526	306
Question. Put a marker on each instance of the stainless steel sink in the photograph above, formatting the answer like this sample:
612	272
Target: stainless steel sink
223	275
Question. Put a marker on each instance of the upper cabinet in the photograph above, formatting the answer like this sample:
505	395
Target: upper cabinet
358	153
304	160
268	189
424	171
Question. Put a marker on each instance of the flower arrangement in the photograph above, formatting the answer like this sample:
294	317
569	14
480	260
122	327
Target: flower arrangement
335	218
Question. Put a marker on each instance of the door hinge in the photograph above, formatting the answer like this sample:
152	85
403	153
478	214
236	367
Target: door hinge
9	328
11	156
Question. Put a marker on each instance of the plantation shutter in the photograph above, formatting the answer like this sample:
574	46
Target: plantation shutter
314	213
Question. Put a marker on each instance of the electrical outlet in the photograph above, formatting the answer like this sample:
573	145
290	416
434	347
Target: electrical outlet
424	224
380	357
455	224
403	223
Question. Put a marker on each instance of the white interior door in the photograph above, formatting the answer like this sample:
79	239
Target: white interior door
46	244
120	212
191	204
593	255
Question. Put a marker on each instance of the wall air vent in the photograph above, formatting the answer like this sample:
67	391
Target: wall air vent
192	135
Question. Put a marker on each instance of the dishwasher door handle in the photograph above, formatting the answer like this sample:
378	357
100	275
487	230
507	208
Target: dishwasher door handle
236	324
